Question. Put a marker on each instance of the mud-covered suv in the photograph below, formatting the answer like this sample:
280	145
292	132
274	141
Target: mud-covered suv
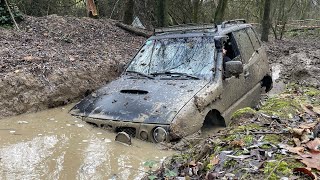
178	82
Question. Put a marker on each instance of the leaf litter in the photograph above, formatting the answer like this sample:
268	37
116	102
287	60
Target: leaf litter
267	143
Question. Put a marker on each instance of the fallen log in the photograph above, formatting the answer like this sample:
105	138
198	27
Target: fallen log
305	28
134	30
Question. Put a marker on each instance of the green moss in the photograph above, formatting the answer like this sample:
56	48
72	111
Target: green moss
248	139
282	169
230	163
247	127
230	138
244	112
282	107
265	146
273	138
310	91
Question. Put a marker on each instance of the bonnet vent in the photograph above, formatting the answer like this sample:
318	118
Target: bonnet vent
133	91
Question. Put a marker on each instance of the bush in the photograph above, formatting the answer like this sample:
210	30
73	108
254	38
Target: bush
5	18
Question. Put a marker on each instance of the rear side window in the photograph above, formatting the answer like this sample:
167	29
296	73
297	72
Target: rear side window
255	41
244	44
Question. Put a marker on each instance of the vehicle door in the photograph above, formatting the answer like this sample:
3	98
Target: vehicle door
250	57
233	87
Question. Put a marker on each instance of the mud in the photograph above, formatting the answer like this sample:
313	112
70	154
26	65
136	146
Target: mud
299	59
55	60
53	145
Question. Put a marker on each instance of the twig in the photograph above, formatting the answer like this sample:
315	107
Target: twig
114	7
229	134
272	171
14	21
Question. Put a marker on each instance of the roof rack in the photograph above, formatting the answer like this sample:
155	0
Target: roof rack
184	27
235	21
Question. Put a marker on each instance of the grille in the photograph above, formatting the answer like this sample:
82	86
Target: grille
129	130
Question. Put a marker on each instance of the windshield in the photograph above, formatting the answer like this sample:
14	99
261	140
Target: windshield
191	55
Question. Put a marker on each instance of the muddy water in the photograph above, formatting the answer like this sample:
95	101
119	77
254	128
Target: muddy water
278	84
54	145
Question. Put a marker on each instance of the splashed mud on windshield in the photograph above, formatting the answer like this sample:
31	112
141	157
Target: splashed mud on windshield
54	145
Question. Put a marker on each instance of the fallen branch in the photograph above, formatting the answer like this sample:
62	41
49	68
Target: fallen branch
137	31
304	28
230	134
12	17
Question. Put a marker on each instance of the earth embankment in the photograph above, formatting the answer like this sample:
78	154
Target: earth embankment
55	60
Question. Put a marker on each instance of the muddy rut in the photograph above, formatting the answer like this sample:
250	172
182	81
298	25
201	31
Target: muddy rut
53	145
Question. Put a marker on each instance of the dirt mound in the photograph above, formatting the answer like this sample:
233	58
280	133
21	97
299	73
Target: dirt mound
55	60
300	60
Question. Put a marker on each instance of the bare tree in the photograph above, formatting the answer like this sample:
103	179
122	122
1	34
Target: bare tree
219	14
266	21
128	13
162	13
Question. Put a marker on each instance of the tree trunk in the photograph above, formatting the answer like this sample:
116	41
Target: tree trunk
219	15
196	10
92	9
162	13
128	13
2	4
266	21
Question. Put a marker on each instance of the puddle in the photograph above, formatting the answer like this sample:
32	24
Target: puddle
54	145
278	85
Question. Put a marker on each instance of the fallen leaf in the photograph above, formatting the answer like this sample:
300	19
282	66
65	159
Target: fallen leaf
192	164
312	161
298	150
297	142
314	145
316	130
305	171
214	160
237	143
308	126
316	110
297	131
308	109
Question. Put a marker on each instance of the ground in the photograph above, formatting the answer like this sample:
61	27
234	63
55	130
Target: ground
56	60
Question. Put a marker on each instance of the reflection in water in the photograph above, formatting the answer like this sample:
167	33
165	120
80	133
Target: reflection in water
53	145
23	160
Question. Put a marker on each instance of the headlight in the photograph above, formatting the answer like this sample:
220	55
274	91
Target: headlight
160	134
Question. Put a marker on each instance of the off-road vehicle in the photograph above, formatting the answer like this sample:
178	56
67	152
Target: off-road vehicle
178	82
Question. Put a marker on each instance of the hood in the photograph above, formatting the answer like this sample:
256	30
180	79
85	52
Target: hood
139	100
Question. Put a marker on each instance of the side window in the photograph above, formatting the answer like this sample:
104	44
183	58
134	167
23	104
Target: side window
244	44
255	41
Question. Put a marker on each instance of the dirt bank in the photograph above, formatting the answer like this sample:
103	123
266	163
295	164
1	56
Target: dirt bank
299	58
55	60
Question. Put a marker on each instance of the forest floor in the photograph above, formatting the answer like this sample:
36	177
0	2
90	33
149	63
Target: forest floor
279	140
56	60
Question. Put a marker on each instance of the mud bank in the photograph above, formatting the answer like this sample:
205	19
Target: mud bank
55	60
299	59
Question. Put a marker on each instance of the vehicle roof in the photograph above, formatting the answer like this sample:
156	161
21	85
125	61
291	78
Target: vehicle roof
187	31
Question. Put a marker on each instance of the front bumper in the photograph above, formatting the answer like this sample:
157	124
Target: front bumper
134	129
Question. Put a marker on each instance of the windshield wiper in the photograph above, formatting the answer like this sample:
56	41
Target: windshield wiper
141	74
175	73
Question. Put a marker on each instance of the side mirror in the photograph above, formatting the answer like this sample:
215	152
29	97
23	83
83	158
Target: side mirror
233	68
